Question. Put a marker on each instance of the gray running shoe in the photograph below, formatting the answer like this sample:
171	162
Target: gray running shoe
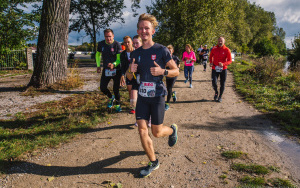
173	137
148	169
220	99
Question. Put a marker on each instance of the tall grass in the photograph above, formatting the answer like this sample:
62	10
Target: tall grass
264	84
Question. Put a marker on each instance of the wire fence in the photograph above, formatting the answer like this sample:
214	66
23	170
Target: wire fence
13	59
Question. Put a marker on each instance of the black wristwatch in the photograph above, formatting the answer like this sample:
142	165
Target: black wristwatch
166	72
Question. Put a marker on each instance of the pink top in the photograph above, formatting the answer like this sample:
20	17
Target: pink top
189	56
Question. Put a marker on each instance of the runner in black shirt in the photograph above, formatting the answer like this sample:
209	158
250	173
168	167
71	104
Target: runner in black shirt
170	81
204	53
110	51
150	61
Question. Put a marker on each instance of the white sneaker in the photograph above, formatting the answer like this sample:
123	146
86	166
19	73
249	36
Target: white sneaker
191	86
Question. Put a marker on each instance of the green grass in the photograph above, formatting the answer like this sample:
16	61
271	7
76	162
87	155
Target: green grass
253	181
277	182
54	123
252	168
274	93
232	154
8	73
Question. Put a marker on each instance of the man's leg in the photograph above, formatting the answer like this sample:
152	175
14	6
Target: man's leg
145	139
223	77
103	85
214	78
116	87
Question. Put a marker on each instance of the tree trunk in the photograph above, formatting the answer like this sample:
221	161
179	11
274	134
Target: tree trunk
52	48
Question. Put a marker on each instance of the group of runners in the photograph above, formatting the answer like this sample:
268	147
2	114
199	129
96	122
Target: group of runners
141	67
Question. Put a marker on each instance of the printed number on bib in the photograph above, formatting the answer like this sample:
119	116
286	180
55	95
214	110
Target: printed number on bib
205	57
147	89
109	72
218	69
188	61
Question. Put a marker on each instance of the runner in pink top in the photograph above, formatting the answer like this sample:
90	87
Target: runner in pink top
189	59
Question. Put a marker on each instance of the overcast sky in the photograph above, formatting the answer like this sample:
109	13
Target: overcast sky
287	14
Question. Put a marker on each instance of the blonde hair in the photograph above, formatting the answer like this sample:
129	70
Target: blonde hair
127	37
170	47
190	47
137	37
148	17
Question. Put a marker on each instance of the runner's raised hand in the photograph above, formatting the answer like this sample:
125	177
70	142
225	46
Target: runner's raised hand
157	70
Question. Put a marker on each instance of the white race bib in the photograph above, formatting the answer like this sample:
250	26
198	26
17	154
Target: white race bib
188	61
147	89
110	73
218	68
204	56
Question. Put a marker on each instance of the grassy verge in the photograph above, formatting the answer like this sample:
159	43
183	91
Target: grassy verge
7	73
264	84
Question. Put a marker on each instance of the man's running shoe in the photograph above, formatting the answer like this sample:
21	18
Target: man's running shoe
132	111
148	169
173	137
216	97
186	81
174	96
118	108
220	99
167	106
191	86
111	102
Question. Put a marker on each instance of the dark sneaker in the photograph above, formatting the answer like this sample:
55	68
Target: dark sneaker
173	137
174	96
148	169
167	106
111	102
186	81
216	97
220	99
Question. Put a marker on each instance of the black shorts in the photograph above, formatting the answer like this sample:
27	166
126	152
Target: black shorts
151	106
130	82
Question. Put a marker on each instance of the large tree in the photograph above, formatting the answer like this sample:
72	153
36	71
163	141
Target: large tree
92	16
52	48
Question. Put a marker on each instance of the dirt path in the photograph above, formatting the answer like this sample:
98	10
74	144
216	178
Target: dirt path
112	151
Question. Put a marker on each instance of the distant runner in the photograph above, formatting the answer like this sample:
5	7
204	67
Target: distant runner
170	81
204	53
219	58
150	61
110	51
189	59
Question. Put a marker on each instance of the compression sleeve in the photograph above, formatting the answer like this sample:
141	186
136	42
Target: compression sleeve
98	58
118	61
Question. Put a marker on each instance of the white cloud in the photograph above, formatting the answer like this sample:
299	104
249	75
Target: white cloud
291	16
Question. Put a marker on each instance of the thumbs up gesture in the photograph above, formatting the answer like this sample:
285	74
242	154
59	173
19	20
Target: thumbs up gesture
157	70
133	66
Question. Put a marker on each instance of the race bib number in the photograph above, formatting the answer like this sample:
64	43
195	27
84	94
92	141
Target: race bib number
147	89
138	78
110	73
218	69
188	61
204	56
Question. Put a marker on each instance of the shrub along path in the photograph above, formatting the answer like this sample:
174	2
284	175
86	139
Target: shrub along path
209	132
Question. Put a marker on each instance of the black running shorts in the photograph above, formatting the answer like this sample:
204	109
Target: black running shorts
151	106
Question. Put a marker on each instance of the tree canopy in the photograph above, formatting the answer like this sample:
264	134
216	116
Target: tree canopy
201	22
16	25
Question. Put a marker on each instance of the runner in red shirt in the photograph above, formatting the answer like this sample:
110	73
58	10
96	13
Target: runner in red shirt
219	58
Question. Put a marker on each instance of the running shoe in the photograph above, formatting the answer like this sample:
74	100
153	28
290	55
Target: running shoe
136	124
216	97
132	111
174	96
111	102
167	106
204	70
148	169
118	108
191	86
186	81
173	137
220	99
